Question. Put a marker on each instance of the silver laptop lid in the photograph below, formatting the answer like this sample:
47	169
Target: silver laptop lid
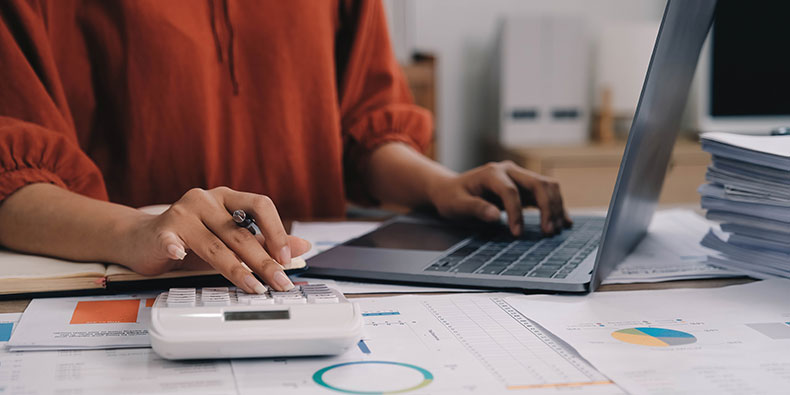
654	130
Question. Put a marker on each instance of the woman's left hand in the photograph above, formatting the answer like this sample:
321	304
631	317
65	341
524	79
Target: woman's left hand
477	193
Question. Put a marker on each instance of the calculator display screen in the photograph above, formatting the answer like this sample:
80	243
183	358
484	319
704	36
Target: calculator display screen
256	315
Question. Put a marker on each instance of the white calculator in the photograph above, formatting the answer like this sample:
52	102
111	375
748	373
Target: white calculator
221	322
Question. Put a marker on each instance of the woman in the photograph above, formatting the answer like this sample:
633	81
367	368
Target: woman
105	106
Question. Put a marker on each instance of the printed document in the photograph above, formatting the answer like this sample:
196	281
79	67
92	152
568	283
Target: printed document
462	343
90	322
671	250
731	340
117	372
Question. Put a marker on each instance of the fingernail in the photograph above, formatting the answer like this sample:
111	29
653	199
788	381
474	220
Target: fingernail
492	214
285	255
176	251
254	284
517	229
283	281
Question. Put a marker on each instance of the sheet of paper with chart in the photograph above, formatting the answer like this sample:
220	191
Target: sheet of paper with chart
670	250
84	323
117	371
100	372
731	340
433	345
8	322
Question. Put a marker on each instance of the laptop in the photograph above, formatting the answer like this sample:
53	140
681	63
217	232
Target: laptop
427	250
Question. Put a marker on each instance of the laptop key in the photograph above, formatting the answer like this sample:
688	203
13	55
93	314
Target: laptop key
542	273
467	267
526	268
552	269
492	270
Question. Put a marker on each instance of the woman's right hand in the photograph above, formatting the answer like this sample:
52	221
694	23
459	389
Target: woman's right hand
201	222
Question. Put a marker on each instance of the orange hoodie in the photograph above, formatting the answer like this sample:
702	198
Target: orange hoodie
136	101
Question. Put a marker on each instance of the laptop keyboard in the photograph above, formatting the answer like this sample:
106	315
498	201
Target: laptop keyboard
531	255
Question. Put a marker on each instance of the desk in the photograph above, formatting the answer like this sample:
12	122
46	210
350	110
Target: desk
18	306
250	376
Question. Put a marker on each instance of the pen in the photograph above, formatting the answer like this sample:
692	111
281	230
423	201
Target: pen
246	221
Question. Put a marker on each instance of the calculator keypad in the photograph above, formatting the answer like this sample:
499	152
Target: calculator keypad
181	297
224	296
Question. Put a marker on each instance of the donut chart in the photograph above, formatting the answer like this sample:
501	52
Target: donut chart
418	377
654	337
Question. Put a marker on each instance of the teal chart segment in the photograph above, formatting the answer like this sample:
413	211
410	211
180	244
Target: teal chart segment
318	377
654	337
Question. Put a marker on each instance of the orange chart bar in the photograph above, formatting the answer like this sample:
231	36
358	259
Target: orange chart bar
558	385
106	311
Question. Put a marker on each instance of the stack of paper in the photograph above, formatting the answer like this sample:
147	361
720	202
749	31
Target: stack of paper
670	251
82	323
748	190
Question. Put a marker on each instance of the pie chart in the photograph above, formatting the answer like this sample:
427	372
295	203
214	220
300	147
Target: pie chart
654	337
373	377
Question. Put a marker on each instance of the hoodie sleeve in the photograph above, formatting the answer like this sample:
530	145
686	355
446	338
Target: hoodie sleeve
375	103
38	141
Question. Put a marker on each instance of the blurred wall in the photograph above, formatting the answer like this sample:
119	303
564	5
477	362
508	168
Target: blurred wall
463	36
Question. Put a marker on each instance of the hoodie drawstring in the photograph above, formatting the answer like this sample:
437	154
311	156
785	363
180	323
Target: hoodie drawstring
212	17
218	43
231	58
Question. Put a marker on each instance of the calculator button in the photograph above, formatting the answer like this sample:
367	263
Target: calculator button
180	297
177	296
261	301
285	298
299	300
322	299
180	301
324	293
287	293
316	291
182	291
240	291
215	290
305	287
215	297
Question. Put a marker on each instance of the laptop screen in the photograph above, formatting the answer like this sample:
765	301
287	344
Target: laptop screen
654	130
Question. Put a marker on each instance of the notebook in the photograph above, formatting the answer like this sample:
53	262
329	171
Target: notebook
34	275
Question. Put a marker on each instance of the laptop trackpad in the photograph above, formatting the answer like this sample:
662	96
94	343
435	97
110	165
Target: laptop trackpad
411	236
374	259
